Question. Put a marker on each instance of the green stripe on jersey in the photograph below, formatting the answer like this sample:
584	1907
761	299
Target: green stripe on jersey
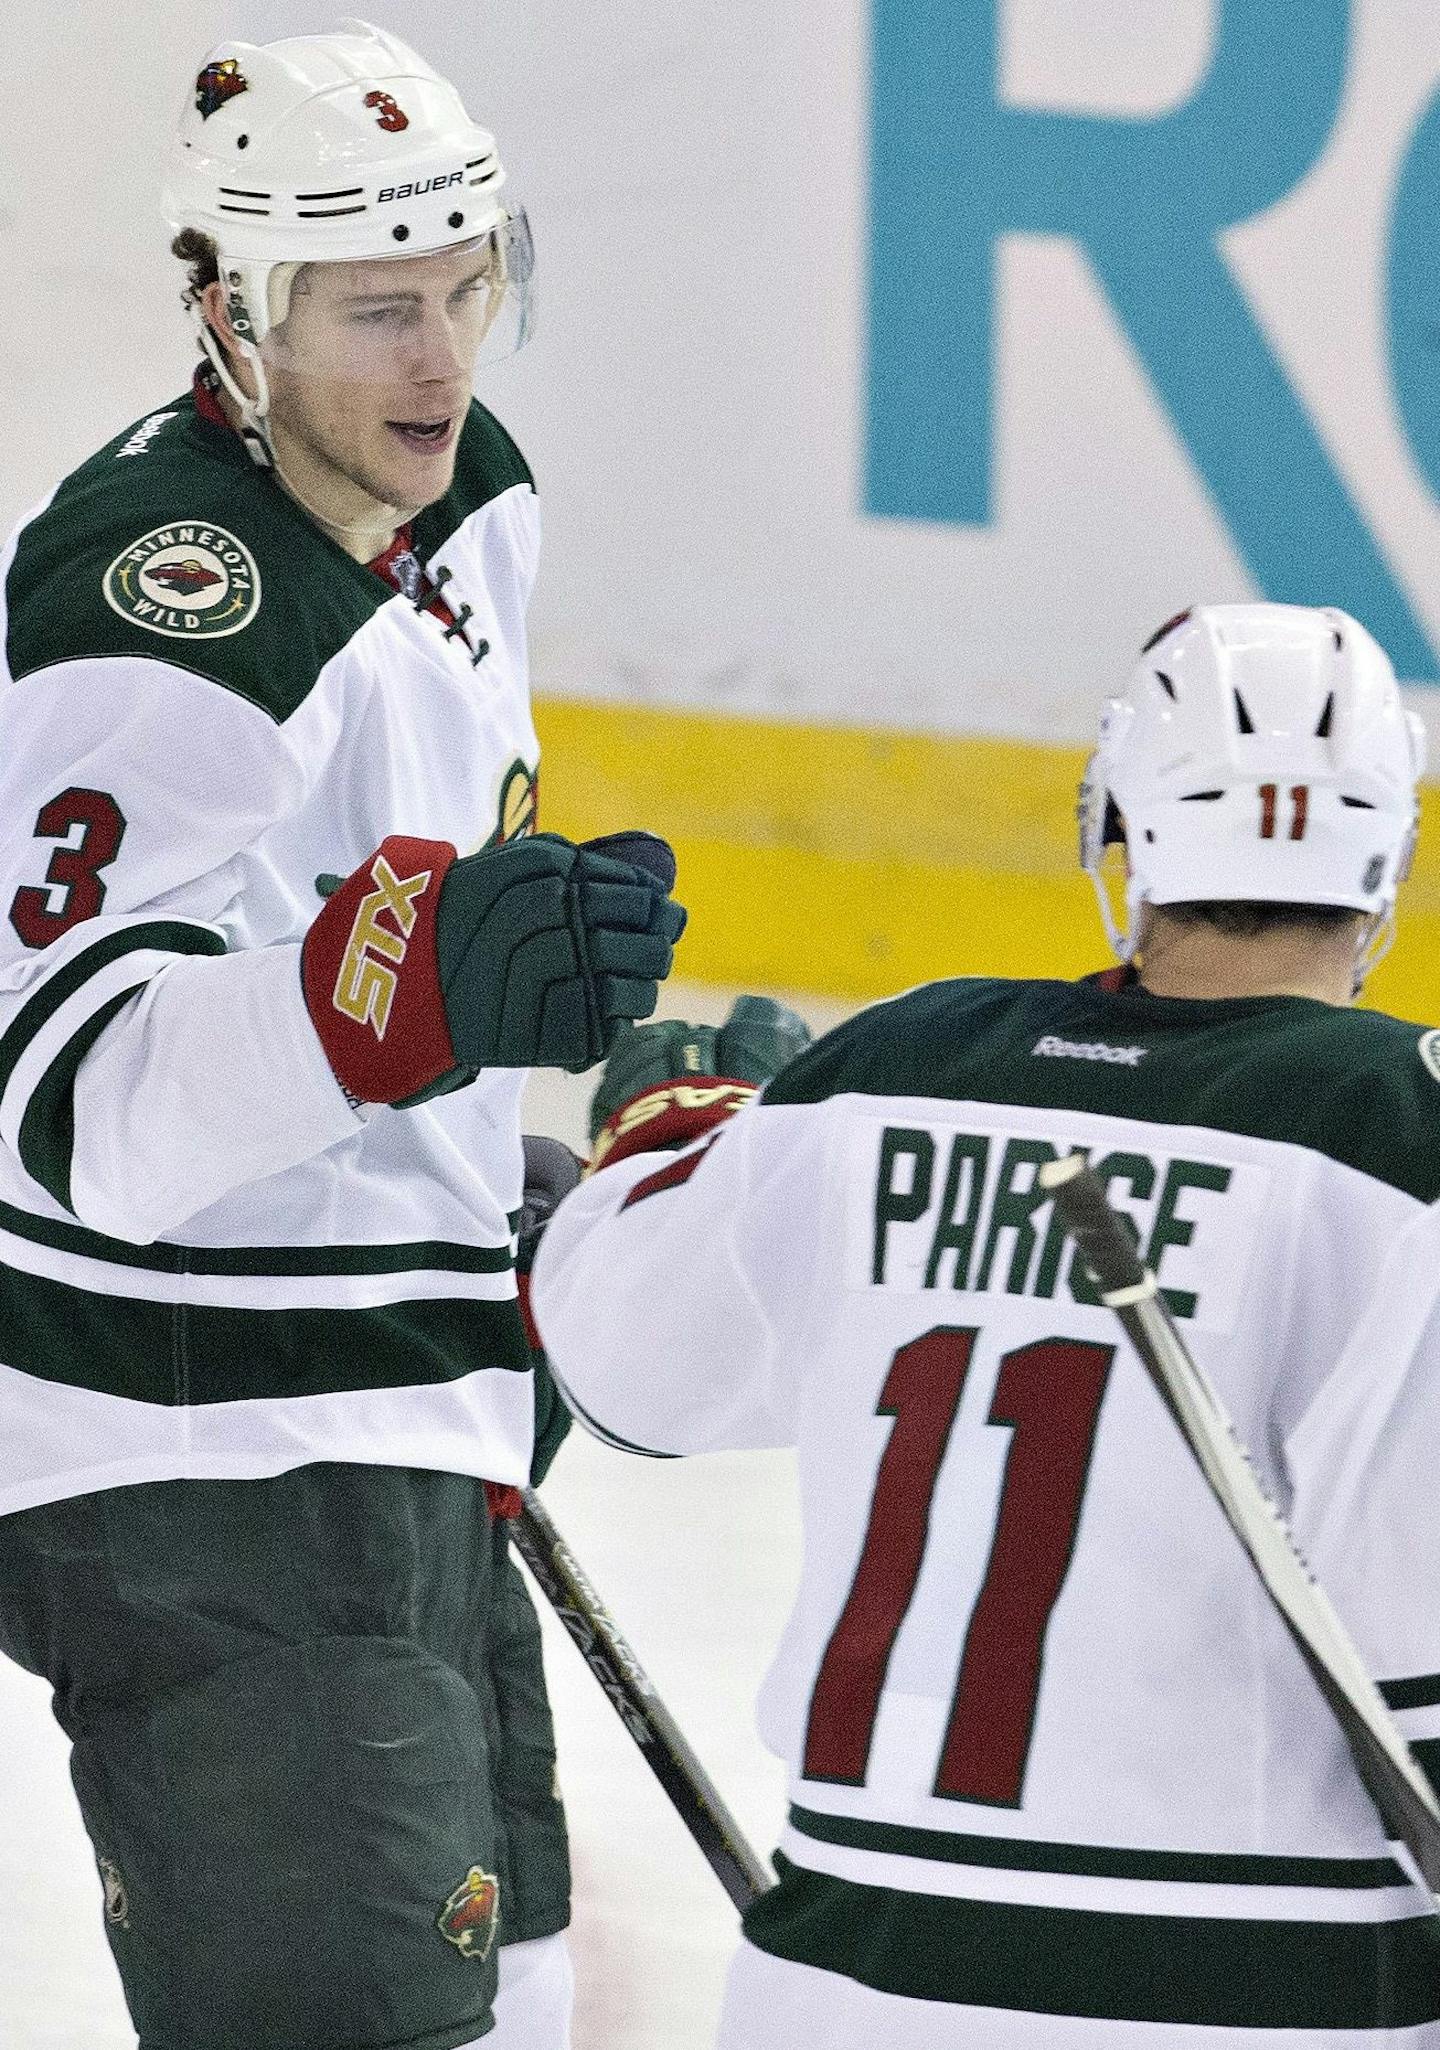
1094	1861
177	1353
1352	1085
403	1257
158	935
47	1123
47	1127
1184	1970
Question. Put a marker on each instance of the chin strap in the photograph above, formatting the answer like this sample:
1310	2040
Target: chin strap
1377	937
1124	943
253	412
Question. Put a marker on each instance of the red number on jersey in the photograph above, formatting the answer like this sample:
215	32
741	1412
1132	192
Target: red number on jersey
922	1393
1049	1393
75	869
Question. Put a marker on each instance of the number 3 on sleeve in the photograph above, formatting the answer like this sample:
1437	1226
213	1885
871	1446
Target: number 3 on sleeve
74	868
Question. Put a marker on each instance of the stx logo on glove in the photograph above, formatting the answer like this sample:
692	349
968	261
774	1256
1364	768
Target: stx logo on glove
365	986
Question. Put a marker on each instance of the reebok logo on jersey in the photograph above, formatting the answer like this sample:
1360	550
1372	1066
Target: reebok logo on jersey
365	987
190	581
1089	1050
144	434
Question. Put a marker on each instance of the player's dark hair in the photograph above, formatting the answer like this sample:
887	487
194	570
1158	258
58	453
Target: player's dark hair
195	247
1247	920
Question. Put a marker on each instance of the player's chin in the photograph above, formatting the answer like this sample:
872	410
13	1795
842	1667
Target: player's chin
418	459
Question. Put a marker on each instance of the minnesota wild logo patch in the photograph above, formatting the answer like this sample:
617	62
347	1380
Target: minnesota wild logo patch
469	1916
189	580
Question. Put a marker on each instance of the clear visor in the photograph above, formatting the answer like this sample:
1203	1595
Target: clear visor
419	325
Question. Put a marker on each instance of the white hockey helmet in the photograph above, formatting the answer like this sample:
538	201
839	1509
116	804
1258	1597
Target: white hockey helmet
1259	753
337	148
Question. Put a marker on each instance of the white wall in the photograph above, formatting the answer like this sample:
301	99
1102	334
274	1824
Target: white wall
694	404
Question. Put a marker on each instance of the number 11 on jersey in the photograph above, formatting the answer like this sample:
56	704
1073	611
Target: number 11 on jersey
1049	1393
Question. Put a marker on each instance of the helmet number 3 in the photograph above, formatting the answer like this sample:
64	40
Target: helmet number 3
90	826
390	115
1270	805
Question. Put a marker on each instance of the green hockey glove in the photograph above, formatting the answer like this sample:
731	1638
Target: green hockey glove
667	1083
422	968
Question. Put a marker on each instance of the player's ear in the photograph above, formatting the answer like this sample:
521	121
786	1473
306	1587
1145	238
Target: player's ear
216	315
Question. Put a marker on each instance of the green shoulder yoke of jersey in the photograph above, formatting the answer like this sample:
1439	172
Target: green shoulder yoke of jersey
1355	1086
171	545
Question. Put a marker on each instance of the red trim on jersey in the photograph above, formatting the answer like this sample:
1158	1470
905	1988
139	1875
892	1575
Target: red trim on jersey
504	1503
205	388
384	563
671	1176
527	1316
1113	980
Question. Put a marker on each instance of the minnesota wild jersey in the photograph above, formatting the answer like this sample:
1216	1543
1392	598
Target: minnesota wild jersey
1055	1761
214	1264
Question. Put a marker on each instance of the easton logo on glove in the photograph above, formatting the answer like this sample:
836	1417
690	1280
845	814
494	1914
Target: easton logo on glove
365	987
669	1116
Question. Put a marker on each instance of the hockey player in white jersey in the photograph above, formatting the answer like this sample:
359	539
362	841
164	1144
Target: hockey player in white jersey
277	941
1059	1776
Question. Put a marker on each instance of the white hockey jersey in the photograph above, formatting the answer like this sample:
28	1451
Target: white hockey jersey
1052	1750
211	1263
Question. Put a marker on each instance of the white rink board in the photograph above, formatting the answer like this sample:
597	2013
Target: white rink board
726	254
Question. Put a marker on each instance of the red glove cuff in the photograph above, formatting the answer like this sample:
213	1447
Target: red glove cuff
668	1117
371	975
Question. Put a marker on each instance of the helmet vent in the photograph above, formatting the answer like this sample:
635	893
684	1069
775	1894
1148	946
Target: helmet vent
240	192
327	213
1164	682
1357	803
486	177
346	192
1247	724
1322	731
1202	796
263	212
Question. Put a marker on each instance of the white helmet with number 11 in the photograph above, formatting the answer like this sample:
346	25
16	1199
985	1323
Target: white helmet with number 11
1259	753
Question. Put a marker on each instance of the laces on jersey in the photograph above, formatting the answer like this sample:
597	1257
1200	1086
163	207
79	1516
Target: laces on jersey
425	591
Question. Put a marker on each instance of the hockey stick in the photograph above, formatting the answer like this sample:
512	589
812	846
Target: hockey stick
1383	1759
631	1694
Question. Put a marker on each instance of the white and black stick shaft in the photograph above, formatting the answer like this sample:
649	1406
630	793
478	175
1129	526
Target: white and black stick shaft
632	1695
1383	1759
